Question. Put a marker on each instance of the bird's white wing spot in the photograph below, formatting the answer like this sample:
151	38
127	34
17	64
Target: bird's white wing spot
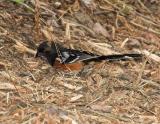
74	60
65	56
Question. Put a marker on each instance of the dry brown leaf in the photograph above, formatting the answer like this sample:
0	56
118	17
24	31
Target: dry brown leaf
151	37
103	49
76	6
48	33
75	98
68	32
98	28
6	86
21	47
151	55
104	108
69	86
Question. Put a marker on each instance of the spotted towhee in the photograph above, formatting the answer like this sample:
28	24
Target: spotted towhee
70	59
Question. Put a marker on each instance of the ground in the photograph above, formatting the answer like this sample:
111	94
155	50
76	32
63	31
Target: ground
117	92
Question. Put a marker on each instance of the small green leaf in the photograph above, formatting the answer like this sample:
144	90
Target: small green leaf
18	1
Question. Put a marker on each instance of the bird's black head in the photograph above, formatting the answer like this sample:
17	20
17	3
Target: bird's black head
44	50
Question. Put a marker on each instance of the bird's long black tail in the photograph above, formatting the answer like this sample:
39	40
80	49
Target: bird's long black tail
118	57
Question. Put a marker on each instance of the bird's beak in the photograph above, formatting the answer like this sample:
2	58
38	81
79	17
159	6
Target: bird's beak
37	54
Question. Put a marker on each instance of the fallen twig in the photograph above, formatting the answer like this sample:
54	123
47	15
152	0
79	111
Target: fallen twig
23	49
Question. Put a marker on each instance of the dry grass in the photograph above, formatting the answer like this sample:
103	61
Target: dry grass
113	93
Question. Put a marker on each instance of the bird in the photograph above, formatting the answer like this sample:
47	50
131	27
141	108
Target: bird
71	59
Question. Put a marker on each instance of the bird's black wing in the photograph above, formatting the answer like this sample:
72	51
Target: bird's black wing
71	56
